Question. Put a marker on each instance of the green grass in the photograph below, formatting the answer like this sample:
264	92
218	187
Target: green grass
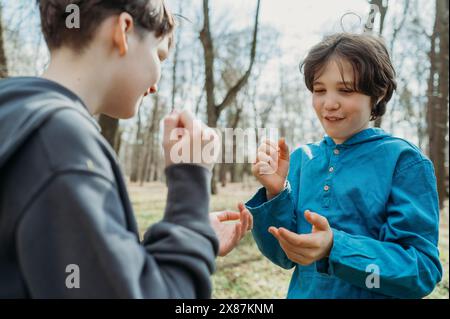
245	273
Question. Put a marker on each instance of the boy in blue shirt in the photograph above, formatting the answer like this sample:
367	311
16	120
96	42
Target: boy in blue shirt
357	214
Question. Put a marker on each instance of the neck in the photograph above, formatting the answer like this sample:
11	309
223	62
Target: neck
78	74
338	141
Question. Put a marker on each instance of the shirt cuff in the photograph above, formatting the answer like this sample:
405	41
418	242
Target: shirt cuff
259	203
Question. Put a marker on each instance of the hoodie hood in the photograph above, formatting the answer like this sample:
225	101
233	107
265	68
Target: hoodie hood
25	104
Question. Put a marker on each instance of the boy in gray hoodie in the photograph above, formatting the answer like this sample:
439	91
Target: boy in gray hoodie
67	228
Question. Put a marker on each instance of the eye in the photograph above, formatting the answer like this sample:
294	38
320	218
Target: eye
318	91
346	91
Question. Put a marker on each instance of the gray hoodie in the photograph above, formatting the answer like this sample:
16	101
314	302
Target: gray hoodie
67	228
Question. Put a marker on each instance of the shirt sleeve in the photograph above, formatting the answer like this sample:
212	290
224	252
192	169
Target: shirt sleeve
405	258
78	221
278	212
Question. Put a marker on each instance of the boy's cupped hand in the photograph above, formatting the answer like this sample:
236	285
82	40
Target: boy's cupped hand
231	227
272	166
304	249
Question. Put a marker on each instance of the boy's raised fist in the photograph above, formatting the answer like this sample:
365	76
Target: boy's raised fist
272	166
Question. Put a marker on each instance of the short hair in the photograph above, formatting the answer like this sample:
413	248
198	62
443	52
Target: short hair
150	15
373	72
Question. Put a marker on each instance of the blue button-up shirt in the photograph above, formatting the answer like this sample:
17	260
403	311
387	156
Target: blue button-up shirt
379	195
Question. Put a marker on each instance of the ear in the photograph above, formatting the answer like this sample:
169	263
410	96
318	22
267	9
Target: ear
123	26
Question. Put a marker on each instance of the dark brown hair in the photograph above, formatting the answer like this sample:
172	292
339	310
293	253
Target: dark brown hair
150	15
373	72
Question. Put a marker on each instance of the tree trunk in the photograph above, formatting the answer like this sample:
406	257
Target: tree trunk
3	60
175	61
437	110
213	110
442	174
110	128
136	155
149	141
369	28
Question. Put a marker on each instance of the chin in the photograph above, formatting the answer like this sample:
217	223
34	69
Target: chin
123	111
120	114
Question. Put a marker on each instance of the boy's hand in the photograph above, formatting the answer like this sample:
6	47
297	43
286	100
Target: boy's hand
305	249
272	166
188	140
230	234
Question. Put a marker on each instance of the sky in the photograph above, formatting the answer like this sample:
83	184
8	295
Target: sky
301	22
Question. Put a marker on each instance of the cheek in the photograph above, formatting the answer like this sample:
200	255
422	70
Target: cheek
358	106
316	102
153	69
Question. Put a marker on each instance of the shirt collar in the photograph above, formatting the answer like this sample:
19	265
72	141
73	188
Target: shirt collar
364	136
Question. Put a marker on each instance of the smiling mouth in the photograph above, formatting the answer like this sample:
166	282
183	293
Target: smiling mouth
334	119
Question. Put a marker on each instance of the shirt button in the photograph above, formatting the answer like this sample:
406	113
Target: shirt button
326	188
336	152
331	169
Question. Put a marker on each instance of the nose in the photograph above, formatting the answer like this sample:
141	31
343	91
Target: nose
153	89
331	104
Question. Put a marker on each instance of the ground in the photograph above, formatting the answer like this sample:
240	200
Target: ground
245	273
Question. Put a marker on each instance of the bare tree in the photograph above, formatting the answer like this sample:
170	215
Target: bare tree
151	143
214	110
437	109
3	60
137	149
383	7
110	130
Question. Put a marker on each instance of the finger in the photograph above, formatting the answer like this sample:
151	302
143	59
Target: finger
170	124
270	143
284	149
273	231
318	221
263	157
236	234
288	245
298	240
272	162
267	165
250	216
270	148
292	252
244	222
187	119
262	168
227	216
244	210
